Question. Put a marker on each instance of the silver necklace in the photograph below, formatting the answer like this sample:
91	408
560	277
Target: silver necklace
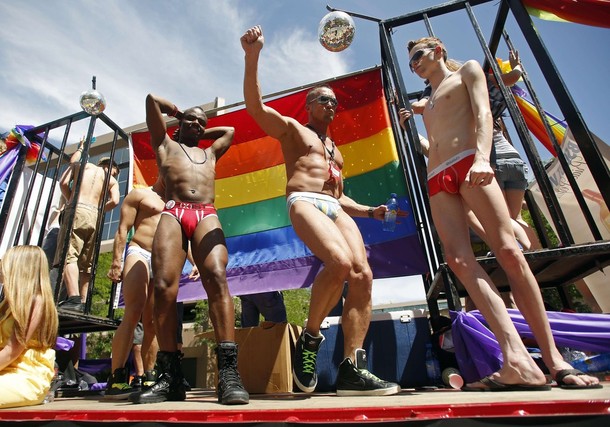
189	157
432	102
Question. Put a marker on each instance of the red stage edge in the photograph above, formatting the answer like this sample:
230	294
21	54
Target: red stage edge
566	413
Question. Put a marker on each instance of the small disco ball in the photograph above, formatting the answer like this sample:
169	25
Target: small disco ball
336	31
92	102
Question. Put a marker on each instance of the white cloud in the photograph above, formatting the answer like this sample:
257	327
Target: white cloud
188	52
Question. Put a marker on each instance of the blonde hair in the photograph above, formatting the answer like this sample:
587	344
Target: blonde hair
430	42
25	272
452	64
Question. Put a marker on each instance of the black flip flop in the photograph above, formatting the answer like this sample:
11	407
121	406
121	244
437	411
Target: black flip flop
493	385
559	379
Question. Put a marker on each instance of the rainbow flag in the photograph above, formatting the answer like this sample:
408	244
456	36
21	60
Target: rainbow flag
13	140
587	12
264	252
534	121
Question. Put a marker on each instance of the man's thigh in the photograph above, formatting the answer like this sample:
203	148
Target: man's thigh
169	251
321	235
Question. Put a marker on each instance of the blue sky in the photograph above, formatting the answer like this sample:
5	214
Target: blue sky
189	52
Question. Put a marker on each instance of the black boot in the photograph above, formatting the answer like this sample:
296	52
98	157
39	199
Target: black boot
230	389
169	384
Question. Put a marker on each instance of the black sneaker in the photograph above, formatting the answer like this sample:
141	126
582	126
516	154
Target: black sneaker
72	304
117	387
304	364
356	380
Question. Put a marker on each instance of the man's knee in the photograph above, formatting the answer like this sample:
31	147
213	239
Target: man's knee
216	275
361	273
340	263
510	258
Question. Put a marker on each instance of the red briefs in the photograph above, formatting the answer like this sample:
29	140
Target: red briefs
449	175
189	214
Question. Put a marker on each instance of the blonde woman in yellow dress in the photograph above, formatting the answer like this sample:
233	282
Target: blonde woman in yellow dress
28	327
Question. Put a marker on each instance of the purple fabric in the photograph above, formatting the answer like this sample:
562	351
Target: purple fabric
478	353
7	162
63	344
579	331
389	259
476	349
94	366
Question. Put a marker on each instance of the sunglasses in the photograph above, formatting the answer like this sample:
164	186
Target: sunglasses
324	99
417	57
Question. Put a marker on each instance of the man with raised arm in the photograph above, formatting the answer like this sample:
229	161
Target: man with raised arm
321	215
188	173
458	121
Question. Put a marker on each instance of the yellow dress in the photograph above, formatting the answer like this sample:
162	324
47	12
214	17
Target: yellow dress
26	381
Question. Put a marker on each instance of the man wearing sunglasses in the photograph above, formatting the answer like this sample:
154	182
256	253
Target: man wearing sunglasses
458	121
321	216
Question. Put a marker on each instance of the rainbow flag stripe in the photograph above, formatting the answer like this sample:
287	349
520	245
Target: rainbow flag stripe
264	251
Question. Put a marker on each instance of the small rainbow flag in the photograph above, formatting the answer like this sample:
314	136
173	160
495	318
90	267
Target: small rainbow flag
587	12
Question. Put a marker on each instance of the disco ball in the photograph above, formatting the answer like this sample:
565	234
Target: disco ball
92	102
336	31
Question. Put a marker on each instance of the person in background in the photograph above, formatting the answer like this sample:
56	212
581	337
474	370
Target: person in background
268	304
28	327
141	210
321	214
77	264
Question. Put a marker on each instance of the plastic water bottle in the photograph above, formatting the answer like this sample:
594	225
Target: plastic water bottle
389	221
433	368
597	363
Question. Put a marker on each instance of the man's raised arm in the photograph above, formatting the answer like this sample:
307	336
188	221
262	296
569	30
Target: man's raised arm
223	136
155	108
272	122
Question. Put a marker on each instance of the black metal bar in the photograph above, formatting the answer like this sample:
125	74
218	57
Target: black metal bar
432	11
45	217
65	219
100	224
582	135
413	160
536	163
112	125
537	219
496	33
25	206
113	297
357	15
70	211
560	154
11	189
428	24
60	122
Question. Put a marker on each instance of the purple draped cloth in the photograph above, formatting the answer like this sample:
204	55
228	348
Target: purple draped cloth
478	353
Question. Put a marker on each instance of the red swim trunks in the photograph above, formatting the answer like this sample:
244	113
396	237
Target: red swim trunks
449	175
189	214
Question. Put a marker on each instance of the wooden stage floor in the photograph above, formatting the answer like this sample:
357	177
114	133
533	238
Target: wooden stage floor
421	407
